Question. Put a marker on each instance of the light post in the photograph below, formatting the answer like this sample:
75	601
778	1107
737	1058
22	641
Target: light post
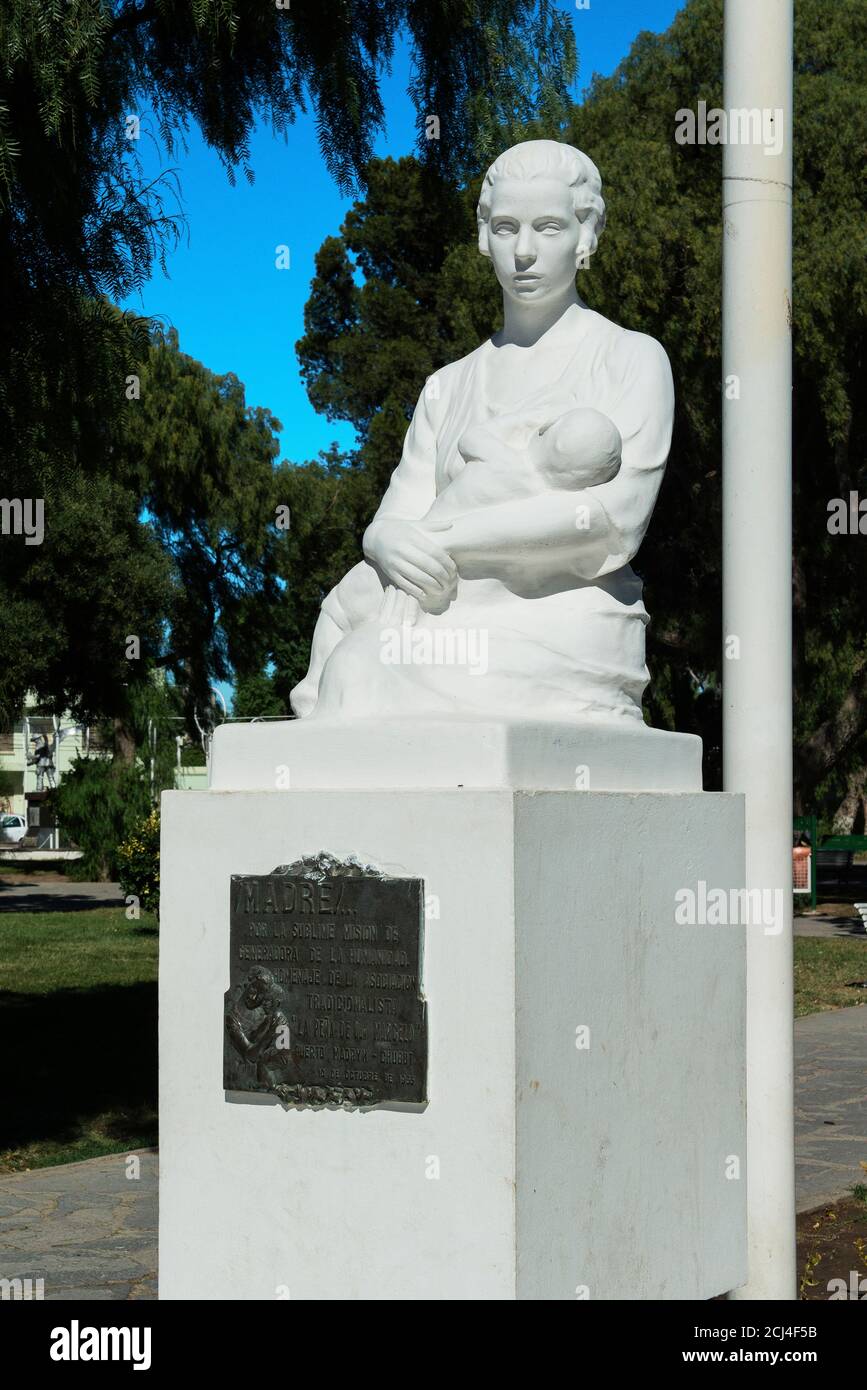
757	594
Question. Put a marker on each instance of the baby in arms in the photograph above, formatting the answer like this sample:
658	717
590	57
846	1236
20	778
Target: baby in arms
576	449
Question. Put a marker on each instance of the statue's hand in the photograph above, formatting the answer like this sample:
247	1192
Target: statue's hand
411	559
237	1034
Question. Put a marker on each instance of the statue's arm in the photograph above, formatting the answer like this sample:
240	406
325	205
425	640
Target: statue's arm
236	1032
412	489
408	557
555	531
593	532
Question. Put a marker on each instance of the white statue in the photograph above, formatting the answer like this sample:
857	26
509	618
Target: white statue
527	480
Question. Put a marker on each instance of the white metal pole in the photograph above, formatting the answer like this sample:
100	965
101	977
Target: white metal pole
757	592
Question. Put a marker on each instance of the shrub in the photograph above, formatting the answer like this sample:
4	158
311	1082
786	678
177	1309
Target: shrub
138	863
98	803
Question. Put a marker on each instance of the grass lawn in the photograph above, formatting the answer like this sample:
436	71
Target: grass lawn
78	1033
823	966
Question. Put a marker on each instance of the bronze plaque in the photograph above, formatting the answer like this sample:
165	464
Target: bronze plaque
324	1005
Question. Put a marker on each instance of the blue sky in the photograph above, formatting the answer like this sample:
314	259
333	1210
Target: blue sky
232	308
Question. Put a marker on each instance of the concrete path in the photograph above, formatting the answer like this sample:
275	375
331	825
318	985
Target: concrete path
91	1232
62	895
86	1229
830	1105
831	926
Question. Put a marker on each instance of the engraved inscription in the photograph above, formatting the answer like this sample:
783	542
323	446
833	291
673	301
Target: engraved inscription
325	1004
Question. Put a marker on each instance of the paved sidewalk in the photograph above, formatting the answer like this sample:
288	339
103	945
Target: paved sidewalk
91	1232
831	926
830	1105
86	1228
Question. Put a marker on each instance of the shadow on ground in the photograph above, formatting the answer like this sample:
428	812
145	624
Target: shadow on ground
58	897
78	1058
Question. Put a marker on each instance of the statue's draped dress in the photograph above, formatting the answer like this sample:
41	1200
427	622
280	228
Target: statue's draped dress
565	637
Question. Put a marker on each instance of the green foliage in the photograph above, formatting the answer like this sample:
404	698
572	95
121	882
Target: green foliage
256	697
203	576
78	220
193	755
68	606
368	348
80	226
10	783
138	863
98	804
330	504
177	547
658	269
201	461
221	64
101	799
366	351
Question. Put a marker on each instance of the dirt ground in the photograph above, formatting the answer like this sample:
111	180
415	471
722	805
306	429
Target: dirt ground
832	1245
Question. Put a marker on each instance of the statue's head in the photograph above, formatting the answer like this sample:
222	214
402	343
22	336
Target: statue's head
540	216
260	988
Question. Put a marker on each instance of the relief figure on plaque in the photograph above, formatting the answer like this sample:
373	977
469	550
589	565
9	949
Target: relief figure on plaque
265	1041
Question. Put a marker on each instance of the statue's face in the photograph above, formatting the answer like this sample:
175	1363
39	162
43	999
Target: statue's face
254	994
533	237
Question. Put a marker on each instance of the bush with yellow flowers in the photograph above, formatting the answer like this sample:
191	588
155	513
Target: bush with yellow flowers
138	860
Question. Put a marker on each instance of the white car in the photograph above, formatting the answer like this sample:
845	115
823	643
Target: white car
12	829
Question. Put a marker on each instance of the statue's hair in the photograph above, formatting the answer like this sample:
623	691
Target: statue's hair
537	159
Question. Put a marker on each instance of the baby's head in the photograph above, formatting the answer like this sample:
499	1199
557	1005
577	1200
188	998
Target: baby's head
580	449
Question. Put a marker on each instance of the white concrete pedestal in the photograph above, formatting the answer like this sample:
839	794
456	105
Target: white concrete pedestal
539	1169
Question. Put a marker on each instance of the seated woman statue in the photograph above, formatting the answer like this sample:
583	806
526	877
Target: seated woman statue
527	479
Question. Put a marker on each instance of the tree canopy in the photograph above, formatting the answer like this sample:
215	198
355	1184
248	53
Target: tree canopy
163	502
170	561
158	507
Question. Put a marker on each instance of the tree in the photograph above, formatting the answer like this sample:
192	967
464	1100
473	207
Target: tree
330	503
102	799
80	227
255	697
82	614
171	563
78	221
660	270
368	348
427	297
202	464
